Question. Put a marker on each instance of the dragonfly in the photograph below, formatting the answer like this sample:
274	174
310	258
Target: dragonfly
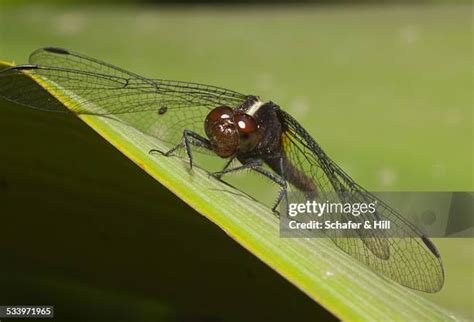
258	134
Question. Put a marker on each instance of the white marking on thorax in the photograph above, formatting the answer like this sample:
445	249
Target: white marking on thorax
254	107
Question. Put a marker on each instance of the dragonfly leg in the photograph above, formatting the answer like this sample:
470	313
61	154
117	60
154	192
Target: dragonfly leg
219	174
257	166
189	138
251	165
278	180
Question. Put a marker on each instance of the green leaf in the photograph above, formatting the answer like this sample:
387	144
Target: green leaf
335	280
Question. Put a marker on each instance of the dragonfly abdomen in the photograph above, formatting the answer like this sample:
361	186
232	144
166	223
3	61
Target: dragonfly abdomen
283	167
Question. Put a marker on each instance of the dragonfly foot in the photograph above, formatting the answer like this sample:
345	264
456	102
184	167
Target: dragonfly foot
153	151
218	174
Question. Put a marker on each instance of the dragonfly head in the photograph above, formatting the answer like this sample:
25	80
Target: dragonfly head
230	131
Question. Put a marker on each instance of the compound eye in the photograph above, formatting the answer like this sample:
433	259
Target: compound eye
221	112
245	123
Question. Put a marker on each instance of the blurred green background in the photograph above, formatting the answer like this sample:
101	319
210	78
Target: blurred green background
385	89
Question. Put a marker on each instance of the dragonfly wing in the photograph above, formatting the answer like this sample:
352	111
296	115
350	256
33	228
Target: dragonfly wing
160	108
402	253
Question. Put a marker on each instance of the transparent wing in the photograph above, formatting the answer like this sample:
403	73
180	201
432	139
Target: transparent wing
412	261
160	108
